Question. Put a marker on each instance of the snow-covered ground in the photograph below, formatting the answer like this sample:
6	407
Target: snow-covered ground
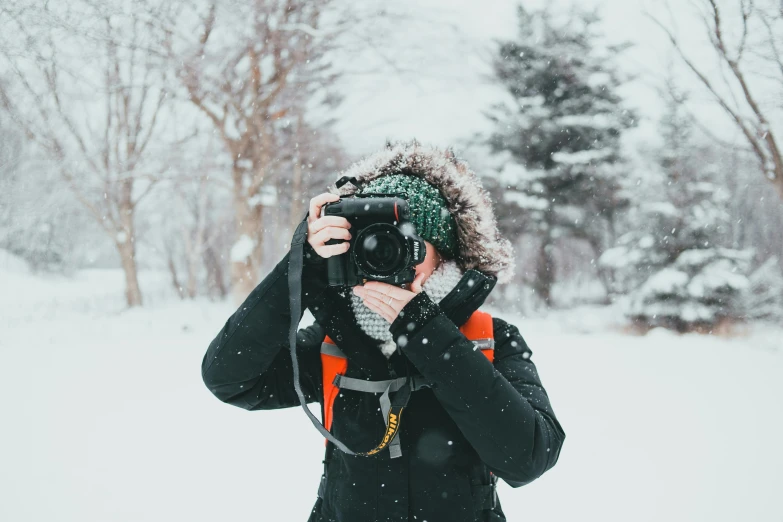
105	417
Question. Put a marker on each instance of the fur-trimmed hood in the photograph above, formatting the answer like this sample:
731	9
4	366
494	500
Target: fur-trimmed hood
480	245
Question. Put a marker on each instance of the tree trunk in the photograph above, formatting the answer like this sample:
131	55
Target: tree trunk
174	278
214	266
778	181
611	224
194	261
195	247
127	251
545	270
126	242
246	251
604	275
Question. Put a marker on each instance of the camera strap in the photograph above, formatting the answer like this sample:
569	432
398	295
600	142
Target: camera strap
396	404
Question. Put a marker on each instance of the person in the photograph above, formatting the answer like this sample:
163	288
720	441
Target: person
480	417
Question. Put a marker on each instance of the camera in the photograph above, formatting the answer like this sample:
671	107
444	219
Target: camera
384	245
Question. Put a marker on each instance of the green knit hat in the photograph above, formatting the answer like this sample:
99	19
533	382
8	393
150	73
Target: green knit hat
429	212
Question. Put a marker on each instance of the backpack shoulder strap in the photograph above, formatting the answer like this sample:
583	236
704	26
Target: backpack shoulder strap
333	362
479	329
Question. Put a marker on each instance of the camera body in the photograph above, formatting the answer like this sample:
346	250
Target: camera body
384	244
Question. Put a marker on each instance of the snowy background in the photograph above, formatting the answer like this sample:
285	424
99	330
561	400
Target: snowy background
655	320
106	418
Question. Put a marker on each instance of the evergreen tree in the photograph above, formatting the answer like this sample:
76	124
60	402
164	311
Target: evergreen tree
559	134
680	275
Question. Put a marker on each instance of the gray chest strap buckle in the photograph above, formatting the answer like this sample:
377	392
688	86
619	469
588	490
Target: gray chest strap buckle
385	387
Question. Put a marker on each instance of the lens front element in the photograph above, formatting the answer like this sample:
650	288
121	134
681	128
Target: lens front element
381	250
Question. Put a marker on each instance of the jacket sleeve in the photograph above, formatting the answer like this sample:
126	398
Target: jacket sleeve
248	363
501	408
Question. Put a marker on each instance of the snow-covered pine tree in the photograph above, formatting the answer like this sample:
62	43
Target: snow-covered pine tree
651	241
702	289
680	275
559	136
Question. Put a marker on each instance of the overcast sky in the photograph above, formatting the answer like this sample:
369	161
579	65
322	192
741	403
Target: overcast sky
446	45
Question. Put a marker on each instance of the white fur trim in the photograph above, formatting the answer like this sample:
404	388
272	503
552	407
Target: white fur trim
480	245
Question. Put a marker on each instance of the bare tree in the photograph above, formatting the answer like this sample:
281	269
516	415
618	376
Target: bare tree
192	236
248	67
192	233
314	155
755	54
89	95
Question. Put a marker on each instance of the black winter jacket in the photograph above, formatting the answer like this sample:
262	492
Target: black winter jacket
479	421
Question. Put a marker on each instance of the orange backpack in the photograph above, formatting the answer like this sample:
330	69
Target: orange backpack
334	364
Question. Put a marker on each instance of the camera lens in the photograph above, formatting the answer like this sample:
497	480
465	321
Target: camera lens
381	250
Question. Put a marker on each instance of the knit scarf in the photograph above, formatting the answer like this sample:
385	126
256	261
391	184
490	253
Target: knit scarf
437	286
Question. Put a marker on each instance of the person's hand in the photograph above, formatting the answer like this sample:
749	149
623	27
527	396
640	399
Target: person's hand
387	300
322	229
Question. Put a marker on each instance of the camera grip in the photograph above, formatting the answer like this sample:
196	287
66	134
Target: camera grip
335	266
